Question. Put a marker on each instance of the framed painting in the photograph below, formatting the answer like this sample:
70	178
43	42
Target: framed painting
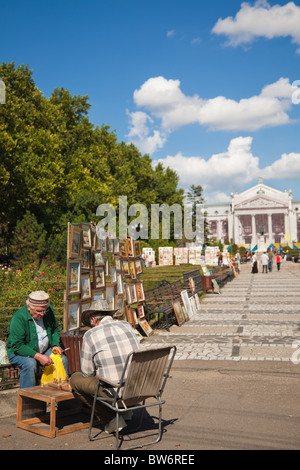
110	245
123	248
98	258
138	266
127	292
125	265
110	294
131	316
72	318
86	288
86	262
132	270
75	242
120	290
140	292
117	261
86	236
116	246
145	327
179	314
73	276
186	302
133	293
119	306
98	294
103	242
137	248
141	312
129	245
99	277
113	274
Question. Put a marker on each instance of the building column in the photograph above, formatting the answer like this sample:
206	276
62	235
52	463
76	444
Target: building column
253	229
270	228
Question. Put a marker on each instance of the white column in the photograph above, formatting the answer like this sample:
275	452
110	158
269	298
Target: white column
270	228
253	229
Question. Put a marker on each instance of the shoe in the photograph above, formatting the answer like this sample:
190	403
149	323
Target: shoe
112	425
127	415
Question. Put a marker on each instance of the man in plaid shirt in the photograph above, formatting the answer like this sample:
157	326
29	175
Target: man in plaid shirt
104	351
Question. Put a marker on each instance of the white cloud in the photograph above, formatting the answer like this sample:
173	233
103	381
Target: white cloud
231	170
139	133
287	167
171	33
261	20
164	99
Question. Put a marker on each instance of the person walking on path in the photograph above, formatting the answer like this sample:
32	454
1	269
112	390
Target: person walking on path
264	261
254	264
278	261
271	256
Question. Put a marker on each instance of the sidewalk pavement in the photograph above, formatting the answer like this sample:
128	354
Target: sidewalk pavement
210	405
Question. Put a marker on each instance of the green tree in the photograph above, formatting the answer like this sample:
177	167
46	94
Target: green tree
29	241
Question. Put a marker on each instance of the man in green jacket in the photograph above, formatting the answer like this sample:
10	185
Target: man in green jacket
33	333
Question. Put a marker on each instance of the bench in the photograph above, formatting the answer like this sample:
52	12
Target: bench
193	282
159	300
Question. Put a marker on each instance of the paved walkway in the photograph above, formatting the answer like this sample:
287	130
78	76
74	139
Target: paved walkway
256	317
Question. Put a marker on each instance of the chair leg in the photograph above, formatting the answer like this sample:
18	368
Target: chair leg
93	412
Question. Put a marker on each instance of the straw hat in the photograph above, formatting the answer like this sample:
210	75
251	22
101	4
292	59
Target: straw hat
97	306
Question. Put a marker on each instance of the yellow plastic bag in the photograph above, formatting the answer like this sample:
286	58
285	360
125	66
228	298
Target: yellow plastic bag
55	371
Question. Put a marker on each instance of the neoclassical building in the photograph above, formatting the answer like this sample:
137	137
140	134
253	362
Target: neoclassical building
258	214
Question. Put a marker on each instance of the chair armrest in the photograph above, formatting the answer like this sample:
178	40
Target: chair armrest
107	381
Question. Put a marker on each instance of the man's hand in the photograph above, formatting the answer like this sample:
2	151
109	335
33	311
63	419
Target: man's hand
43	359
57	350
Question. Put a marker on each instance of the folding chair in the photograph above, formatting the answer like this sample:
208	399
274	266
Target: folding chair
144	377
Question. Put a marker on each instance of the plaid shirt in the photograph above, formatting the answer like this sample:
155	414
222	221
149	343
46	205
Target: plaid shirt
106	347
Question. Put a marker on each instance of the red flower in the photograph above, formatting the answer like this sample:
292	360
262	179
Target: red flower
57	277
43	274
35	279
50	290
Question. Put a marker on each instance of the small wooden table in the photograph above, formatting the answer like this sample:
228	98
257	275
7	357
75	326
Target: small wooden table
50	396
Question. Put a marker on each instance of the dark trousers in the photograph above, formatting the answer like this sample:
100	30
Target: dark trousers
84	388
265	268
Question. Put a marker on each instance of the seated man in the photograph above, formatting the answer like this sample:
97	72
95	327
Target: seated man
105	348
33	333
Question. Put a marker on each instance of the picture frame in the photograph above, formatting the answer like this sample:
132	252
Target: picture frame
140	291
133	293
138	266
110	245
127	292
103	243
120	289
86	235
186	302
125	265
98	258
136	248
141	311
120	302
84	305
86	287
132	271
110	294
98	294
145	327
99	277
179	314
123	248
130	315
129	246
117	261
86	261
116	246
73	276
75	242
72	315
113	274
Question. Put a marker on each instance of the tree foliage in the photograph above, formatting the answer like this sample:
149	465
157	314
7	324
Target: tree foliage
57	166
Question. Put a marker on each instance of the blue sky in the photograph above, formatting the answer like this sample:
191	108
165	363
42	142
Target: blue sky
204	87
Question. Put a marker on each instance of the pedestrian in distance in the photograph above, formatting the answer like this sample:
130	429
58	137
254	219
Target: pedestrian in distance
271	256
254	264
278	261
264	261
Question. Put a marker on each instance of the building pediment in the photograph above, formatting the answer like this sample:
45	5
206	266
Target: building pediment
260	202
